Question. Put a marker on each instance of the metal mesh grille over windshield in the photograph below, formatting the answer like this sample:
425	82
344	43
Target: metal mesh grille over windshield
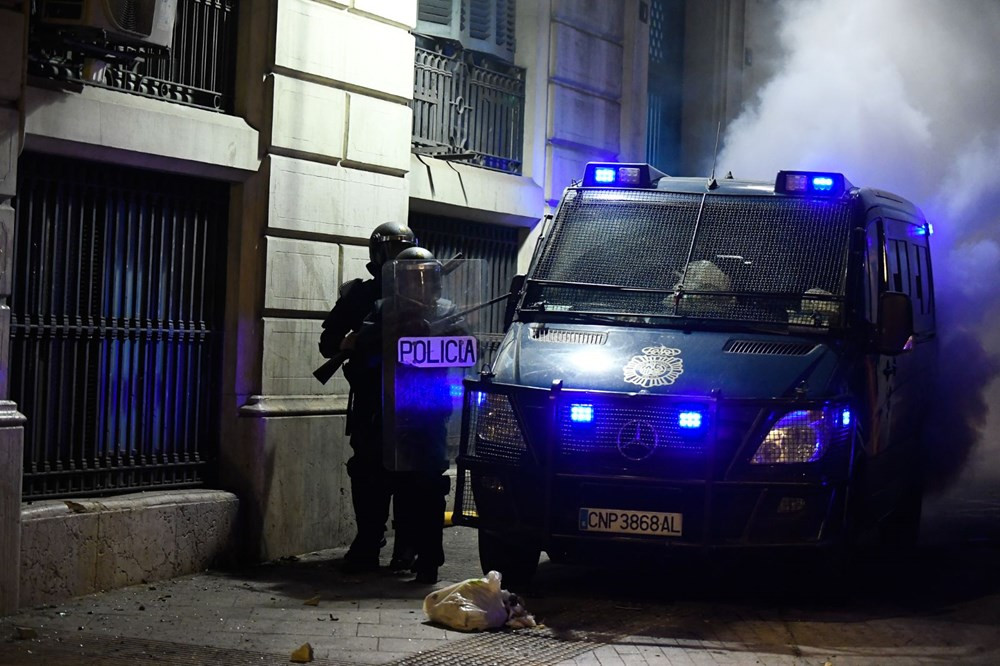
646	253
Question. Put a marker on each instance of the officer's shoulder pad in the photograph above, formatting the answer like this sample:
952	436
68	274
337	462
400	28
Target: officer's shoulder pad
349	286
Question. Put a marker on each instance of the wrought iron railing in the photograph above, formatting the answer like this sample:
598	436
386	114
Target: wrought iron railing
467	106
115	326
197	70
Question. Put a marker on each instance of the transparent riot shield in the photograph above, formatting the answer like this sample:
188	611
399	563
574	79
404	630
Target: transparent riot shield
433	317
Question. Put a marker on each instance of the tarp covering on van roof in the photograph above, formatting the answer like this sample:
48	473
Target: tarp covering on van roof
664	254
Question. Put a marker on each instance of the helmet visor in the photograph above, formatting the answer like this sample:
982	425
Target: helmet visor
389	248
420	283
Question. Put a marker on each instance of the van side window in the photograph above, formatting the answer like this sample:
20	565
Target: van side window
919	261
908	269
898	260
923	294
873	274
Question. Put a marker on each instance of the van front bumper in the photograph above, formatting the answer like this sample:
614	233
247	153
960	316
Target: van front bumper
526	471
581	513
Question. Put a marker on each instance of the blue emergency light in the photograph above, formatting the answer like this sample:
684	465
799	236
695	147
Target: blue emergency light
614	174
689	419
811	183
581	413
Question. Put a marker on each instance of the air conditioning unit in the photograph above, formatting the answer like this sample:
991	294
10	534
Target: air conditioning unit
486	26
131	21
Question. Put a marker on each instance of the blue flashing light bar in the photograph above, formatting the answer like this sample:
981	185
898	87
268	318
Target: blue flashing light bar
689	419
612	174
605	175
811	183
845	418
581	413
822	183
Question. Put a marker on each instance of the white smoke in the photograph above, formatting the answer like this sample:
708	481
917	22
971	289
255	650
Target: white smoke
904	95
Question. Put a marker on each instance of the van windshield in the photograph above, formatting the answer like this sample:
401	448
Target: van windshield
661	255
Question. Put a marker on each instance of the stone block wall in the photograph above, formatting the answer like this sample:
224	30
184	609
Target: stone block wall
336	147
83	546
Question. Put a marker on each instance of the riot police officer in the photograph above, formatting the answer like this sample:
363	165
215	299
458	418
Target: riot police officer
370	490
417	401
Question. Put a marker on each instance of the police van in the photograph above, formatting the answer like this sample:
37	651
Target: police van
695	364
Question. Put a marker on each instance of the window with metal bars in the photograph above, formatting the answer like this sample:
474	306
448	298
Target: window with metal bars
664	85
495	245
197	70
467	106
115	326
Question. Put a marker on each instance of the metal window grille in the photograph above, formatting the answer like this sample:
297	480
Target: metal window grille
115	318
672	256
495	245
666	56
198	70
467	106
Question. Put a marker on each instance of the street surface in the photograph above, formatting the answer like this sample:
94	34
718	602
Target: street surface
940	604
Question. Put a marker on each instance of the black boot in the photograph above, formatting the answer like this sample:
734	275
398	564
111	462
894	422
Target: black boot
426	575
402	559
403	552
360	558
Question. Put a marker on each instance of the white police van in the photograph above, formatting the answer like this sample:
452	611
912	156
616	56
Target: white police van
704	364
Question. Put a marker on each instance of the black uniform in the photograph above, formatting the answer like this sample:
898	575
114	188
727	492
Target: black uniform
421	404
421	453
370	489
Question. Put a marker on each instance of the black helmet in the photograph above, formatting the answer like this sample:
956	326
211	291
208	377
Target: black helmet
418	275
388	240
416	254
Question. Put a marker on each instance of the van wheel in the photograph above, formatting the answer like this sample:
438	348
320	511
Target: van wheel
505	553
901	528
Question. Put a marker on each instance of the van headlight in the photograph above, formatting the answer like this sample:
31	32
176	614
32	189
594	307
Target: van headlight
496	434
803	436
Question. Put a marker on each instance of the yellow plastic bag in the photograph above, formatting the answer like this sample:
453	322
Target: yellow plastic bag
474	604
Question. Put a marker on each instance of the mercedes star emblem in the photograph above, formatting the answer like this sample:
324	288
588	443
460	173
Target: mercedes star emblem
637	440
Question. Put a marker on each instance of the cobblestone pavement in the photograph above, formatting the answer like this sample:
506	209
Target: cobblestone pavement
938	605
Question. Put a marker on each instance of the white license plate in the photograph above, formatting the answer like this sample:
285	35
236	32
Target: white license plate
623	521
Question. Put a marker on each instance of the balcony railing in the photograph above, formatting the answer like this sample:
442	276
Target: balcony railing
467	107
197	70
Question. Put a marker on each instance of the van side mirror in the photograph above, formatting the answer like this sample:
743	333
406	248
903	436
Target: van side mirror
895	323
516	284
